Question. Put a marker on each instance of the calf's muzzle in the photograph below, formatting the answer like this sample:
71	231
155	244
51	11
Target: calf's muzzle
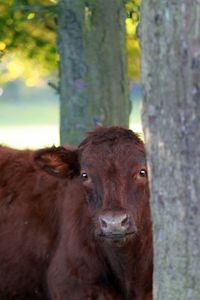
114	223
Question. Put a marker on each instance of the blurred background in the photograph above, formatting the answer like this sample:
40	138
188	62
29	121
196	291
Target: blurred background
29	98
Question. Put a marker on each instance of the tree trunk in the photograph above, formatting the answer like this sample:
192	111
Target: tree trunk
73	70
170	43
93	69
106	58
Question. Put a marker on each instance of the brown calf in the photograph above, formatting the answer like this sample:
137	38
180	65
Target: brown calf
104	249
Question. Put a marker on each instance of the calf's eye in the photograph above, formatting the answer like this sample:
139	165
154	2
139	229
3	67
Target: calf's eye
143	173
84	176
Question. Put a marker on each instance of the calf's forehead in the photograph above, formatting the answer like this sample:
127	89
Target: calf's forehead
119	153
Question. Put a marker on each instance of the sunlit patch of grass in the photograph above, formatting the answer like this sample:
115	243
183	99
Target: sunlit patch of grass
28	114
29	136
29	124
36	125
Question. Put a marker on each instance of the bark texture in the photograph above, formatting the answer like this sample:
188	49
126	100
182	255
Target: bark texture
106	58
73	70
93	68
170	41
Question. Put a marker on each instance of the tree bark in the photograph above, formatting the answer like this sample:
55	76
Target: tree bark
170	43
73	70
93	67
106	58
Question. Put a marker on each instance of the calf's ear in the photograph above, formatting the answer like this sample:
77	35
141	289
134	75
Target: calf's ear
58	161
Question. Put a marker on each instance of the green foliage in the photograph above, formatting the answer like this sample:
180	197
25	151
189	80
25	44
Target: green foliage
28	29
133	48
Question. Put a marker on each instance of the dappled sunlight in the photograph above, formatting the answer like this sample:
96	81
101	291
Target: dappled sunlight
17	66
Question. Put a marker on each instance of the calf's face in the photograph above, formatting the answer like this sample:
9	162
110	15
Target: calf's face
111	165
114	175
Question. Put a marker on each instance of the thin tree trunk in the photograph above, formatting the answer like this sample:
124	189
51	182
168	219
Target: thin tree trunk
170	41
106	56
93	68
73	88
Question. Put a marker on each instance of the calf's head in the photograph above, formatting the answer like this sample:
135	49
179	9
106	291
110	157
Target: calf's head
112	167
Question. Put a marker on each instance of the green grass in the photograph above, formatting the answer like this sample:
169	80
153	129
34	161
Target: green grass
29	124
13	114
36	124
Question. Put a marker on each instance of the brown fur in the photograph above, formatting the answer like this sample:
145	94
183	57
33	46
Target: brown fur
85	264
28	225
51	243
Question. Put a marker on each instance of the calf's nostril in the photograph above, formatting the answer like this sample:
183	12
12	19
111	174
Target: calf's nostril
125	221
103	223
